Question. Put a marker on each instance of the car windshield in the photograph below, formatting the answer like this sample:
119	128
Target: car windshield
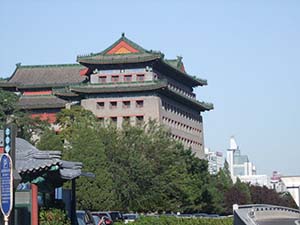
115	216
131	217
96	218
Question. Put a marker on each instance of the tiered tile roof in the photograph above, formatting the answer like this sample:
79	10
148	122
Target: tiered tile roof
41	102
136	54
31	162
46	76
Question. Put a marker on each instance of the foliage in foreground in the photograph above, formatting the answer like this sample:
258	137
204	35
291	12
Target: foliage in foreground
53	216
142	169
181	221
11	113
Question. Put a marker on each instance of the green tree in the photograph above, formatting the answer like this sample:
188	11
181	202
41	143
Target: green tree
147	170
9	112
221	183
70	119
199	187
8	106
49	140
85	146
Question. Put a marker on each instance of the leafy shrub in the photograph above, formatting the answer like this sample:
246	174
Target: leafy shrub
53	216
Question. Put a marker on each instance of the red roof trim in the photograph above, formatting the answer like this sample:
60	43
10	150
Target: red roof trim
84	72
48	92
122	44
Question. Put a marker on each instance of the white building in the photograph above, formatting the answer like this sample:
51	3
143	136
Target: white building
276	182
292	184
257	180
215	161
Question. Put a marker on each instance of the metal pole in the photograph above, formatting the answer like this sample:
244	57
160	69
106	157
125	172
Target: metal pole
13	156
5	220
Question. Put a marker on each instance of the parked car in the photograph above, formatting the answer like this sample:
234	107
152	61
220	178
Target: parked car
116	216
105	215
130	217
200	215
84	217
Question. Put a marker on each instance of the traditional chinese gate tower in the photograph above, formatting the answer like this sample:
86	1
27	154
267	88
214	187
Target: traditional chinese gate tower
131	84
123	83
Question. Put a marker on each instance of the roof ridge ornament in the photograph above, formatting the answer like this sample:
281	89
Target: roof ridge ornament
123	34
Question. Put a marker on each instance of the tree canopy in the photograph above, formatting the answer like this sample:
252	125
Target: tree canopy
141	168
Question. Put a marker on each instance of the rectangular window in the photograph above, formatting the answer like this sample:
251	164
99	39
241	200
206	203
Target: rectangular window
100	105
113	105
126	104
102	79
101	120
114	78
127	78
139	104
114	119
140	77
139	120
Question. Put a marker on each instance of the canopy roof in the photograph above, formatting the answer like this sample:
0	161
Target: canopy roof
33	165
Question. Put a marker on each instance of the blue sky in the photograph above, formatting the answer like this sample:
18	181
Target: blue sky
249	52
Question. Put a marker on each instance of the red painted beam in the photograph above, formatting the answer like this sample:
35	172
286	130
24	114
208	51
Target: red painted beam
34	205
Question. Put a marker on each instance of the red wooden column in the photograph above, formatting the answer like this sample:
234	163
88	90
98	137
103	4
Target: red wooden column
34	205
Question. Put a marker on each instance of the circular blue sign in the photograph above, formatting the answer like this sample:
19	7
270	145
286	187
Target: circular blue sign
7	140
6	190
7	131
7	148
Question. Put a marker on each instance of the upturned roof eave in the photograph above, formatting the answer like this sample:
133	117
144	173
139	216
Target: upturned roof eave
156	57
122	58
46	85
193	79
93	89
202	106
33	162
41	106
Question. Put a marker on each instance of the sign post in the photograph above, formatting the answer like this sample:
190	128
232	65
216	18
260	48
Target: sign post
10	150
6	186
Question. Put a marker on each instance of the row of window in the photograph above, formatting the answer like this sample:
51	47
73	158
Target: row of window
121	78
179	125
135	70
114	119
186	141
176	110
181	91
124	104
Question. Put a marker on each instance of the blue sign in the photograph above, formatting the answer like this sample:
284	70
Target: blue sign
7	131
7	139
6	184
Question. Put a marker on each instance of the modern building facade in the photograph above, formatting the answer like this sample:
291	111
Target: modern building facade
123	83
240	167
215	161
